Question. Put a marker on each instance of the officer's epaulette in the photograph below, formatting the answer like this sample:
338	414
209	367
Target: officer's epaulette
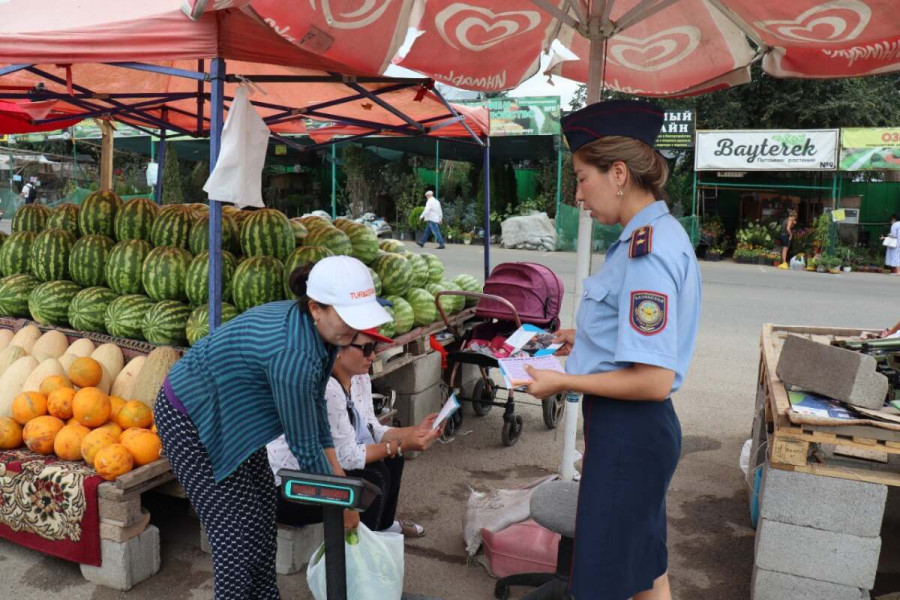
641	242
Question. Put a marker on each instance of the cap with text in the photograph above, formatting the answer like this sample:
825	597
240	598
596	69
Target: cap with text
346	284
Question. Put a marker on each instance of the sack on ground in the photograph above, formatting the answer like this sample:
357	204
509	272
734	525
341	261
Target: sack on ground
374	566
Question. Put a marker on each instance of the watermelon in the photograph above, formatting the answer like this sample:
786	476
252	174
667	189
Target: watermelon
267	232
15	255
3	237
14	292
459	302
257	280
300	231
163	273
173	226
403	314
199	236
124	266
419	270
31	217
446	302
435	267
125	316
313	222
198	323
98	214
388	329
134	220
469	284
65	216
395	273
87	261
301	257
165	323
422	303
196	283
199	209
342	223
363	241
392	246
50	254
329	237
87	312
49	302
377	281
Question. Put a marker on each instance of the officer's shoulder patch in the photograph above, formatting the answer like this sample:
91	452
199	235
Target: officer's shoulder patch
641	242
649	312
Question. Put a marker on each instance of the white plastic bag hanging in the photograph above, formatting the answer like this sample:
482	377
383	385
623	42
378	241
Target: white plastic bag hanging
374	566
237	177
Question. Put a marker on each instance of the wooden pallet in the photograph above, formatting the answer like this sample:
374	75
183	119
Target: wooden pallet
412	345
818	449
121	515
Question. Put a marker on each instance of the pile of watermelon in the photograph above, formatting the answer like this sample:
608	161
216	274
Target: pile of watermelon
141	271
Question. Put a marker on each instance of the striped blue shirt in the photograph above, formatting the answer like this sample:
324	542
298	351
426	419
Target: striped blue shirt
261	375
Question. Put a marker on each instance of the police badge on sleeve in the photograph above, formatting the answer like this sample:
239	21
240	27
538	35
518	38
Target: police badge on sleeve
649	312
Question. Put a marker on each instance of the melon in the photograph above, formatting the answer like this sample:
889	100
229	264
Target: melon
110	356
50	254
198	323
87	261
52	344
256	281
40	433
14	293
153	373
30	217
124	266
164	272
81	348
172	226
87	312
165	323
49	302
26	338
98	213
330	237
267	232
299	258
12	380
125	316
123	386
15	254
134	220
5	336
403	314
49	367
65	216
9	355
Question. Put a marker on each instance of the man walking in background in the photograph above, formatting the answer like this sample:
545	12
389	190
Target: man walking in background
433	217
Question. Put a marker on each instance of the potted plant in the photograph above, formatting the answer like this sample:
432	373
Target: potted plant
834	265
715	254
812	264
467	238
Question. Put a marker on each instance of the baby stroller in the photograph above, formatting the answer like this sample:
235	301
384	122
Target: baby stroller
515	293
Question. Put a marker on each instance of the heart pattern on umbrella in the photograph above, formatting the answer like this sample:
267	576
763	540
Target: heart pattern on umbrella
835	22
369	12
478	29
655	52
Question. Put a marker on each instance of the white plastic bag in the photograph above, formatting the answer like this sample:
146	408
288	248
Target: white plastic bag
798	263
374	566
237	177
744	460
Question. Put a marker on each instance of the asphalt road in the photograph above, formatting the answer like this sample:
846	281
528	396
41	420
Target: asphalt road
710	538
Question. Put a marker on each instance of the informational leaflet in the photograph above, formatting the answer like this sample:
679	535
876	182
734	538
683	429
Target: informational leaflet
811	405
532	339
450	407
513	369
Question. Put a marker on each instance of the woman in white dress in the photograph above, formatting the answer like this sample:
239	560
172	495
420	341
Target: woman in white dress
892	255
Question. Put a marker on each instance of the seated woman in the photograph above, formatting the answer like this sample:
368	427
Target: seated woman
365	448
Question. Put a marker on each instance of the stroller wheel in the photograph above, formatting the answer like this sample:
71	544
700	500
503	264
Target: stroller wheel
482	393
450	427
553	410
511	431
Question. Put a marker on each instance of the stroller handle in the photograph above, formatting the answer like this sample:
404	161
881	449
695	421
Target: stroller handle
477	295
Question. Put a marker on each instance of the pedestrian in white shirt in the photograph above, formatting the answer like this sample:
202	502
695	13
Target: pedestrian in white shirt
433	217
364	447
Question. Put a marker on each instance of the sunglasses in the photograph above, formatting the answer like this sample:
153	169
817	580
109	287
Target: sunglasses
367	349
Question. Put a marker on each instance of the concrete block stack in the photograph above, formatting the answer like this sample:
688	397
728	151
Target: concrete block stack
418	387
818	538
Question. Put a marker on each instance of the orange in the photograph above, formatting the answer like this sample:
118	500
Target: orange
130	432
59	403
29	405
67	444
40	432
112	461
10	434
116	405
134	414
91	407
73	421
85	372
94	442
54	382
113	428
144	446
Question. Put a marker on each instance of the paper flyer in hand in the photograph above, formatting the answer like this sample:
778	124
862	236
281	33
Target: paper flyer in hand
450	407
513	369
533	340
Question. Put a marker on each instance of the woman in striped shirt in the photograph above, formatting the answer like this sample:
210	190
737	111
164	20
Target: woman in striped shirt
261	375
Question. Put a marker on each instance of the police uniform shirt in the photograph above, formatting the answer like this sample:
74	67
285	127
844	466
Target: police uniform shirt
643	306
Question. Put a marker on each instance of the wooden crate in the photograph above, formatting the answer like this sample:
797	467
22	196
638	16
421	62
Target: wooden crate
121	515
819	449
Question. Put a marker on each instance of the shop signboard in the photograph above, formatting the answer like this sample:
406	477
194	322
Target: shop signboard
678	130
767	150
870	149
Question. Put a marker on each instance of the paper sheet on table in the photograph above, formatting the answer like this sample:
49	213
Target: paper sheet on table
450	407
513	369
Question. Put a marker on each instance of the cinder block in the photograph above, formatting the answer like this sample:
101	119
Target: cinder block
412	408
126	564
815	554
469	375
295	546
833	372
418	376
840	505
768	585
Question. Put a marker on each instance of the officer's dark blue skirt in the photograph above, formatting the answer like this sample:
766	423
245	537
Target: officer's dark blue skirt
631	451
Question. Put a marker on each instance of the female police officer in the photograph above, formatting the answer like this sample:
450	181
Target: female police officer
631	348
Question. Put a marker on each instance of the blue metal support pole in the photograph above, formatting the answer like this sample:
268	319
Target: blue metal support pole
333	181
486	171
217	98
158	189
559	160
437	168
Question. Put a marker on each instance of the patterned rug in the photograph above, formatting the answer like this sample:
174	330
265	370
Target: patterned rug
50	505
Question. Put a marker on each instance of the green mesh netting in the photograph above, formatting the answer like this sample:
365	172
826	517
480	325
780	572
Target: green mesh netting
605	235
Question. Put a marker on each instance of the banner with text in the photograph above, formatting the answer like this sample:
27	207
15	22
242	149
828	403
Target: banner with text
767	150
678	130
534	115
870	149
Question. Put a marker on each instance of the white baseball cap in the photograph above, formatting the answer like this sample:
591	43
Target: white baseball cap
346	284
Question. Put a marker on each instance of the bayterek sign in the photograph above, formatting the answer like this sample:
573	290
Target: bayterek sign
767	150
